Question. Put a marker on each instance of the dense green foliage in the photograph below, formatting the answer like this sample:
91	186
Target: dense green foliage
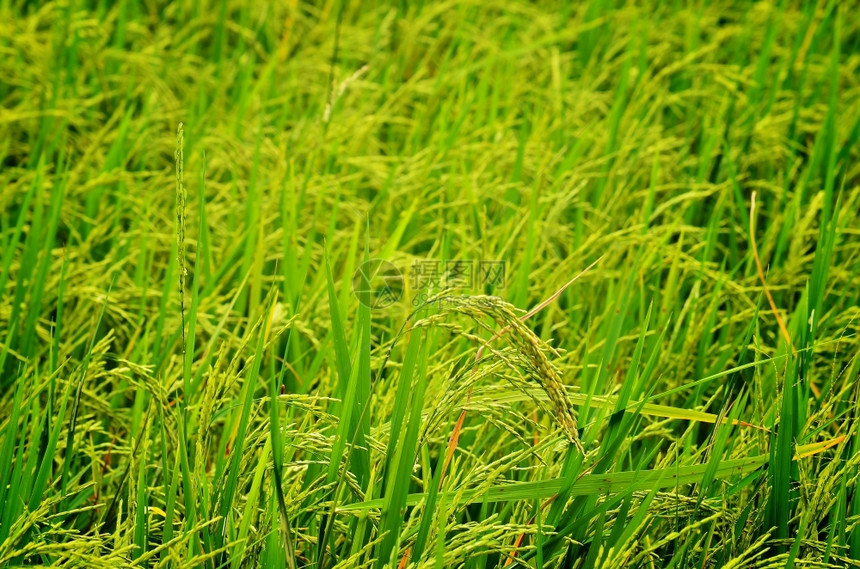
187	378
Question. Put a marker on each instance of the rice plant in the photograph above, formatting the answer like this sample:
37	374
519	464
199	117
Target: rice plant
418	285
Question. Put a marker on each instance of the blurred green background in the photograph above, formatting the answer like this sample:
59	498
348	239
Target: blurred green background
547	135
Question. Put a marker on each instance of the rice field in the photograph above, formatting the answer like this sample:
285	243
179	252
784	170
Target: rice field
430	284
